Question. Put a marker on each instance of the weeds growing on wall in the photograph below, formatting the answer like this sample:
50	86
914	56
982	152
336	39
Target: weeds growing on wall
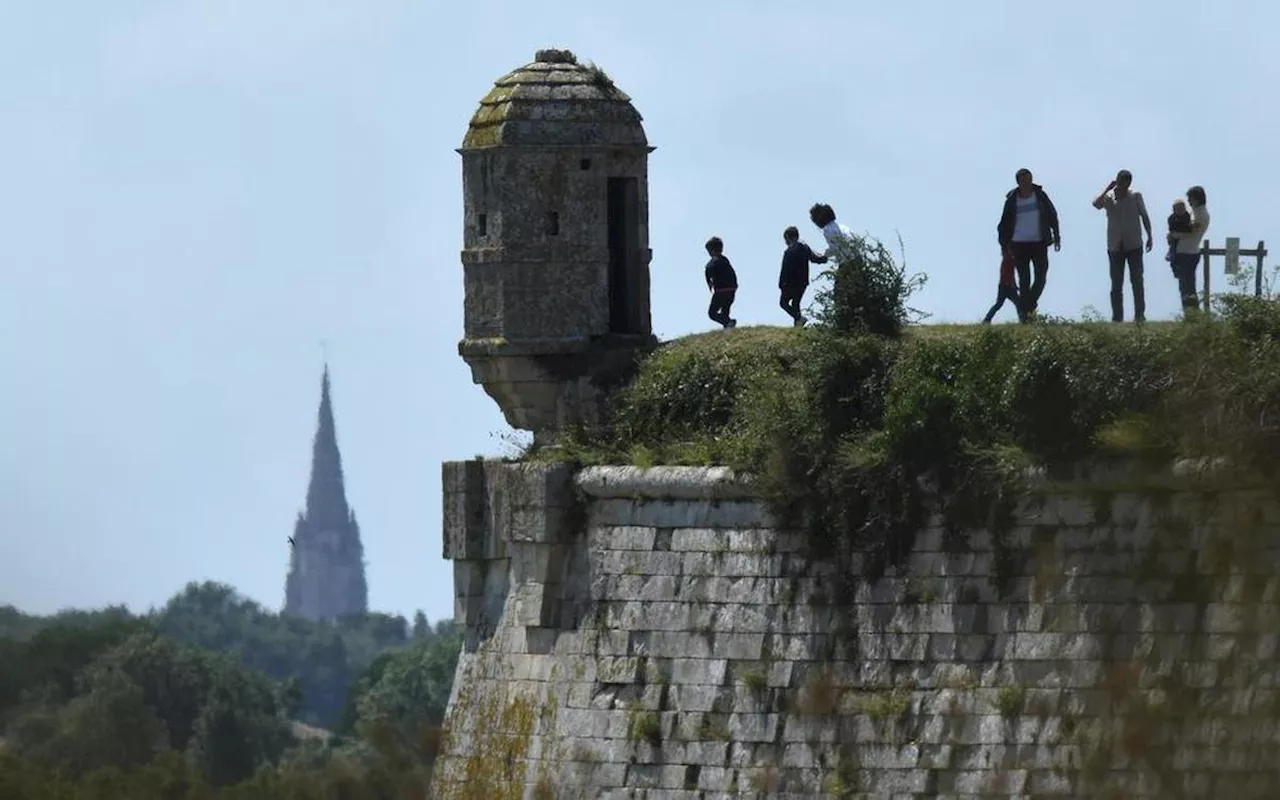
860	428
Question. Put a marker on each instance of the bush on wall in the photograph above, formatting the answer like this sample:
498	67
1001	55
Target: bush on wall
868	291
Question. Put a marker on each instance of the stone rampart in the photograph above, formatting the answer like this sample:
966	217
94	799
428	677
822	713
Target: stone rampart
654	633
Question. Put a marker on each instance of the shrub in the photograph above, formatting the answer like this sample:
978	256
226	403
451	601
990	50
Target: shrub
868	292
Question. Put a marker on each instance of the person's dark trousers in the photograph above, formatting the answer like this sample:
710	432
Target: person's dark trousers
790	300
1134	259
1004	292
1184	268
721	302
1025	256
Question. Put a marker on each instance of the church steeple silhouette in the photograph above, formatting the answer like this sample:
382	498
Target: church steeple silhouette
326	571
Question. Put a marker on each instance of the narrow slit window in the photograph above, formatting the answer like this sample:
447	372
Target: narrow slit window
482	224
584	164
553	223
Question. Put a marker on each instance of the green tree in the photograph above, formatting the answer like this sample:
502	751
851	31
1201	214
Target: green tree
289	697
46	665
108	725
401	712
237	729
414	684
351	707
323	658
175	704
175	679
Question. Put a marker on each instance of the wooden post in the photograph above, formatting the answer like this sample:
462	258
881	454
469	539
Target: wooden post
1206	252
1257	278
1204	249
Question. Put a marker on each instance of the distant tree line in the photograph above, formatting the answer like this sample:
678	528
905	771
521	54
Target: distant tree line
212	696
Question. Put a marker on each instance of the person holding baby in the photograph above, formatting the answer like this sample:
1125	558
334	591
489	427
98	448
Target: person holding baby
1186	231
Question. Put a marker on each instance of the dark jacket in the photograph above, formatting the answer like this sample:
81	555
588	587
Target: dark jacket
720	274
795	265
1049	232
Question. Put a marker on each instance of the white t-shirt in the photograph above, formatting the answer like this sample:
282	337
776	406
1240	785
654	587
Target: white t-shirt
1190	242
840	241
1026	222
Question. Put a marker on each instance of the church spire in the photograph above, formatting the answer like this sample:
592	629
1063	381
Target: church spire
326	575
326	493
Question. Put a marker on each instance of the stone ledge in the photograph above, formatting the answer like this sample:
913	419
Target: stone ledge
723	483
499	346
665	483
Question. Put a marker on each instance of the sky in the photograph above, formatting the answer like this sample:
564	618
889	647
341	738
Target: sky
195	194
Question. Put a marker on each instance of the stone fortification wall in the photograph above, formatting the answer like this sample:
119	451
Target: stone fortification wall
653	633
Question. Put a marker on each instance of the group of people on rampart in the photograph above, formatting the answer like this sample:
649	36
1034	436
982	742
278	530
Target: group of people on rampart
1028	227
793	279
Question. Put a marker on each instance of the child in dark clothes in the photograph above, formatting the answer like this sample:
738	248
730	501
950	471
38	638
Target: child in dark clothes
1179	222
1007	290
723	283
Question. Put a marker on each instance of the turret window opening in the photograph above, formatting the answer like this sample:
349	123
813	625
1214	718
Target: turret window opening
482	224
584	164
553	223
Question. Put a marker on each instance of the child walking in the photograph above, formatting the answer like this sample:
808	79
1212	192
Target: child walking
723	283
793	278
1007	290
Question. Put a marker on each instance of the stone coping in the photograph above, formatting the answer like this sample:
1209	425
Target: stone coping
665	483
569	345
723	483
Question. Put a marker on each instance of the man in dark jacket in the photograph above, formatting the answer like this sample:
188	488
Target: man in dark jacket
722	280
794	277
1028	225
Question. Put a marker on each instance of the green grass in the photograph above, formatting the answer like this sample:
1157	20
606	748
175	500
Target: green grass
1054	391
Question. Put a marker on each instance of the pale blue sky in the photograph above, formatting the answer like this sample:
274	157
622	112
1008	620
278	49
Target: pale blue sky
194	193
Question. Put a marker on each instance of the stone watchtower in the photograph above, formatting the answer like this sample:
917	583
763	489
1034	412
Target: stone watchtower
555	241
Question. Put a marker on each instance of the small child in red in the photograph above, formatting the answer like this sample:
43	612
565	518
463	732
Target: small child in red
1007	290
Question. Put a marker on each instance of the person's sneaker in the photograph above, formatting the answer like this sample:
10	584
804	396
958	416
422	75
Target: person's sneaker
733	323
800	322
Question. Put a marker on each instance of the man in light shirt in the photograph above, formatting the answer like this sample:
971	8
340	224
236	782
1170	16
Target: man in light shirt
842	243
1126	219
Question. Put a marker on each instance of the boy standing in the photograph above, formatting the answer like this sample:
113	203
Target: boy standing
1007	290
723	283
794	277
